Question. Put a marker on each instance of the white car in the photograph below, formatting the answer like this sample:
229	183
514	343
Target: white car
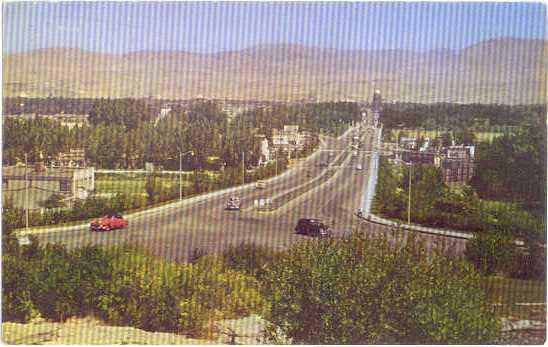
359	167
233	204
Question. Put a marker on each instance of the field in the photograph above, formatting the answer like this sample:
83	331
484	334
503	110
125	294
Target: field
135	183
482	136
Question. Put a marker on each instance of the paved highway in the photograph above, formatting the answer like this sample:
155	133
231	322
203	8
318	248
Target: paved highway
333	193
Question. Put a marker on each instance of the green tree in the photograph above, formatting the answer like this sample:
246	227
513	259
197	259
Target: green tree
464	136
492	253
54	201
153	188
366	291
426	187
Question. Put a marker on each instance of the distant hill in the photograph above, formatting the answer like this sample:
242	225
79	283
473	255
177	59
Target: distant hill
504	70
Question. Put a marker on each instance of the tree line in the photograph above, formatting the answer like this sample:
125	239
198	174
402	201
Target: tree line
513	168
481	117
123	134
56	105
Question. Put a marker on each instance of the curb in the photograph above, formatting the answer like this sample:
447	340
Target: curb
437	232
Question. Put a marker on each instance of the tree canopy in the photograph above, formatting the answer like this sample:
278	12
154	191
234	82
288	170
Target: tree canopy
366	291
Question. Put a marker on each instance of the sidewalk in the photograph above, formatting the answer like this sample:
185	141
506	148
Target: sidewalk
419	228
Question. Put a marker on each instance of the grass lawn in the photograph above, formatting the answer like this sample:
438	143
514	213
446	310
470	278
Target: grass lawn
508	296
135	185
483	136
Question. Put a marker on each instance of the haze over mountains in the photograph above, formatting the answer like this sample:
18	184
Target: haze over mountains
508	70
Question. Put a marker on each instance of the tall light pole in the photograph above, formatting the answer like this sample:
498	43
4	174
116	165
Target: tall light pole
276	161
26	195
409	199
180	176
243	168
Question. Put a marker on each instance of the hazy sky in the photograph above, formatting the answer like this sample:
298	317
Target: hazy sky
211	27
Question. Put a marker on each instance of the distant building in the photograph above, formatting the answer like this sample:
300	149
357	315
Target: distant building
376	106
164	112
290	135
42	183
459	152
68	120
455	162
291	129
22	116
264	149
74	158
407	142
290	139
417	157
456	171
426	144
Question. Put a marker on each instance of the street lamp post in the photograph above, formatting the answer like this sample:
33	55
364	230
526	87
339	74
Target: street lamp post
180	176
243	168
409	199
276	161
26	195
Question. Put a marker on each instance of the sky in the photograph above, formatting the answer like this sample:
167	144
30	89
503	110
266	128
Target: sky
205	27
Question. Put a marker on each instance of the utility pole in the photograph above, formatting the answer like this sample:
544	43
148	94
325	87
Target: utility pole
26	195
409	200
276	161
243	168
180	176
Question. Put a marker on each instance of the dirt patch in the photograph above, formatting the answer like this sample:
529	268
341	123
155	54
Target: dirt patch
87	331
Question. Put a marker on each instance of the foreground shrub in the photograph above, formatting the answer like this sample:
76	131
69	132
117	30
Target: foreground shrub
364	291
18	278
124	286
492	253
156	295
248	258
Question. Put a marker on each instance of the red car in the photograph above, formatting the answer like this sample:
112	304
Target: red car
108	222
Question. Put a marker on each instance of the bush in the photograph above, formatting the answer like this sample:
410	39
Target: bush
157	295
492	253
531	263
124	287
248	258
365	291
18	279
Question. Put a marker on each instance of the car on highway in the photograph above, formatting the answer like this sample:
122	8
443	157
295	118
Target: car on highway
233	204
108	222
260	185
312	227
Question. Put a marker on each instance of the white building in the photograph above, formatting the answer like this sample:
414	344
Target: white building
39	183
264	149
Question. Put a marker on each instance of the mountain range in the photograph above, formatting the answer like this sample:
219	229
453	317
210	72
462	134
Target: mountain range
505	70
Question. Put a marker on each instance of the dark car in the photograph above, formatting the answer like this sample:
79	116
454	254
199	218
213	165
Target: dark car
108	222
312	227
